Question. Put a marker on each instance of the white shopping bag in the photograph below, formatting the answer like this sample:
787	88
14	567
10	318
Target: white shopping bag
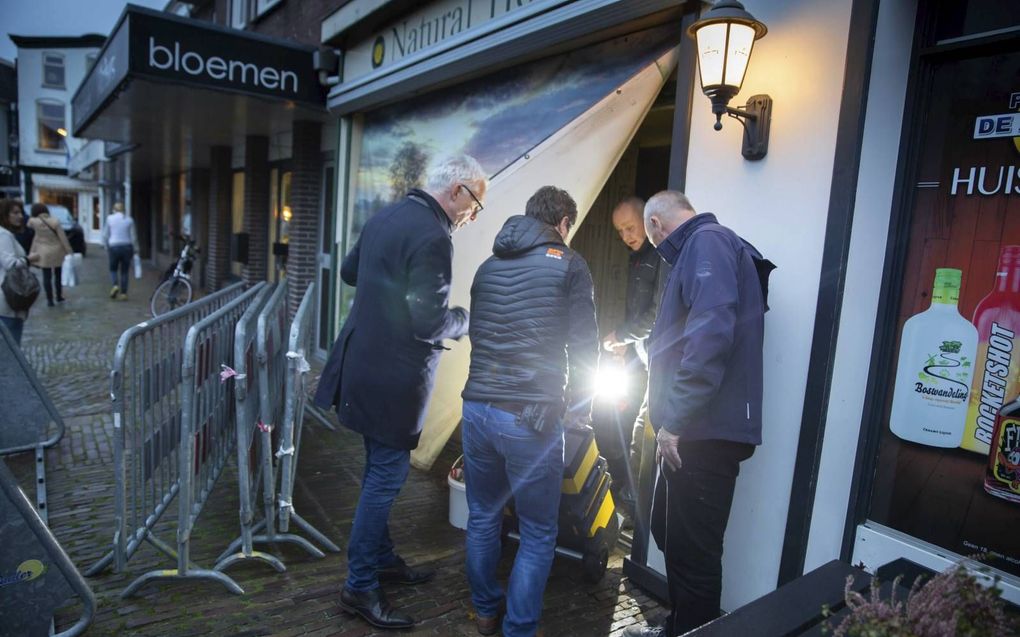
137	261
67	273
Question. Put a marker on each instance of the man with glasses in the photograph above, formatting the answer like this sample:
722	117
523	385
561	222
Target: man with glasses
381	369
534	347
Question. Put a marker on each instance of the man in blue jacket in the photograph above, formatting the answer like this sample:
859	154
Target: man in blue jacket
381	369
705	394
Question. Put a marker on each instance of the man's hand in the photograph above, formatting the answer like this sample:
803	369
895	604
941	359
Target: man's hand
668	449
613	345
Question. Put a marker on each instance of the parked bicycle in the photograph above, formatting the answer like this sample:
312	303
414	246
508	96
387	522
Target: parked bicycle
175	288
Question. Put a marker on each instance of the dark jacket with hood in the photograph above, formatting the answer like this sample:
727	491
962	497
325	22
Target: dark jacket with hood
533	321
381	369
705	350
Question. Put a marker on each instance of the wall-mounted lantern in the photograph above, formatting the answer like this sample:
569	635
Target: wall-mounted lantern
725	36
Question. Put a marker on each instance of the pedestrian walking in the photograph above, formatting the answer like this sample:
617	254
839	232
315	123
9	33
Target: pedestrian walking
121	241
12	255
381	369
534	349
51	245
704	398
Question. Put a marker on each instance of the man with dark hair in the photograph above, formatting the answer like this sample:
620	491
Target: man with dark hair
534	347
381	369
704	398
645	277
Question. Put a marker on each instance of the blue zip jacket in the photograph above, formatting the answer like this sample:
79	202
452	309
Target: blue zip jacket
705	349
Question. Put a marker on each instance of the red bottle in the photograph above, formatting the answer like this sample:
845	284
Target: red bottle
997	364
1002	477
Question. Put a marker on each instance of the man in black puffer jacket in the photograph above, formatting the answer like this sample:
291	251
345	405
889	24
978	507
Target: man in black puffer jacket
534	347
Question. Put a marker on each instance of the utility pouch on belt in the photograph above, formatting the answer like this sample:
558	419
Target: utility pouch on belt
540	416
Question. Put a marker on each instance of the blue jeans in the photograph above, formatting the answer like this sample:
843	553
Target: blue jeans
503	459
120	256
370	547
14	326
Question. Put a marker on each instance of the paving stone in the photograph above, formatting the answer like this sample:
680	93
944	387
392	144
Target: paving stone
71	347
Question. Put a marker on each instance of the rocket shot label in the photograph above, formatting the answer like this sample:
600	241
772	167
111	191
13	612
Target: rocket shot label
994	381
1003	476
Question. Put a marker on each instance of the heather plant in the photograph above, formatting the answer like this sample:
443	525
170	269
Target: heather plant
951	604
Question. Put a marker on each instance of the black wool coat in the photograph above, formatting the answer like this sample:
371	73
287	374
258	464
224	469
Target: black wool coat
381	369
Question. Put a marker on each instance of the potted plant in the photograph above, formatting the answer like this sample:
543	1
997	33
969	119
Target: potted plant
950	604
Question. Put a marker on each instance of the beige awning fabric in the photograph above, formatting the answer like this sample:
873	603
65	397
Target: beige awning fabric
579	157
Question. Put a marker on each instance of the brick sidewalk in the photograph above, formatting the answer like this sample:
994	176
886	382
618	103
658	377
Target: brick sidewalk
71	347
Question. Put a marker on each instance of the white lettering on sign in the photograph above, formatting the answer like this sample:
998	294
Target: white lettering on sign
166	58
993	126
987	180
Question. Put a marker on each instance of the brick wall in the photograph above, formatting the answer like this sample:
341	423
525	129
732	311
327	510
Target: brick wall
256	207
218	242
306	184
297	20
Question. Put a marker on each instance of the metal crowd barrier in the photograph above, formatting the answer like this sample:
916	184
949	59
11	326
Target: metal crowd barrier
36	576
300	345
206	430
26	412
145	387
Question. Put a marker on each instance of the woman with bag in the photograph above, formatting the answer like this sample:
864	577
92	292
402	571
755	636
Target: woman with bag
51	246
12	257
121	243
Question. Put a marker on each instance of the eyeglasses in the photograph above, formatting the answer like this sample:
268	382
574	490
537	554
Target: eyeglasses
477	202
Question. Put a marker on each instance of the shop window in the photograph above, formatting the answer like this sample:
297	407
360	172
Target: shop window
970	18
53	70
50	119
244	12
262	6
948	471
236	221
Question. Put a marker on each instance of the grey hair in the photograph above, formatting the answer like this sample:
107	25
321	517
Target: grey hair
667	203
458	169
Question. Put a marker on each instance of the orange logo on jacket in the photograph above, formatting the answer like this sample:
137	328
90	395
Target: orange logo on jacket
554	253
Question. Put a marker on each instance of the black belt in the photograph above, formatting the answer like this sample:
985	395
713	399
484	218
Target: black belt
512	408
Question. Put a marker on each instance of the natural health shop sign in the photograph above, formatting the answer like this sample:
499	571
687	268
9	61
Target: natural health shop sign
426	29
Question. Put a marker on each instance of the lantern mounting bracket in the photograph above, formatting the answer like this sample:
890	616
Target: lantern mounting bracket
756	118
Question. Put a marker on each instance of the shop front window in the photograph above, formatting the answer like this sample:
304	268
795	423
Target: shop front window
50	120
279	221
948	470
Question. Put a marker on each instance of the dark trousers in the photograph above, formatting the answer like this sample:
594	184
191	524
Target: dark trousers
690	509
50	280
370	547
120	263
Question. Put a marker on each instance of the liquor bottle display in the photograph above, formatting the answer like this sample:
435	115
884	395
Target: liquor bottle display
996	369
1002	477
935	369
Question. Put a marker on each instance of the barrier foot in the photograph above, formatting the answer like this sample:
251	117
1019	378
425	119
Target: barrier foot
230	560
100	566
315	533
318	416
174	574
293	539
170	551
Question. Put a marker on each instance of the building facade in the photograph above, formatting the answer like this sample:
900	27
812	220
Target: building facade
883	166
49	69
9	181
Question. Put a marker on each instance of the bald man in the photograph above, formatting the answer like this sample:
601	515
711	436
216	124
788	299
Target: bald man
620	433
704	397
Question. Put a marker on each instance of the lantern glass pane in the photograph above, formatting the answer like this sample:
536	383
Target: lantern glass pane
741	41
711	53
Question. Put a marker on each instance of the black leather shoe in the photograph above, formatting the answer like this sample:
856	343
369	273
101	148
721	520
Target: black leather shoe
401	573
373	607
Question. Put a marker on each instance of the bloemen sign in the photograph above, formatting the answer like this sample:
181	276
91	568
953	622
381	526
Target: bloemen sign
217	68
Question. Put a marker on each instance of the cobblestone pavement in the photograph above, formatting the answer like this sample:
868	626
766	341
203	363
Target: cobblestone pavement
71	347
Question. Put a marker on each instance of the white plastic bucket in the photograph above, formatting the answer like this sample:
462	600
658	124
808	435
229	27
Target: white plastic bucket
458	500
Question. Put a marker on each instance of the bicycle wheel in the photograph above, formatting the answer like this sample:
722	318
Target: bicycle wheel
170	295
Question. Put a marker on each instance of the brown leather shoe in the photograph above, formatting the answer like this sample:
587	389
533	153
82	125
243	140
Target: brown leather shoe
487	625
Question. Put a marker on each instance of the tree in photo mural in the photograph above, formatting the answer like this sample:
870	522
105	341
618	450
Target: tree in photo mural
407	170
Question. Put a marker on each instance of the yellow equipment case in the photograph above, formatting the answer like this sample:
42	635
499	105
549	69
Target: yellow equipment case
588	525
